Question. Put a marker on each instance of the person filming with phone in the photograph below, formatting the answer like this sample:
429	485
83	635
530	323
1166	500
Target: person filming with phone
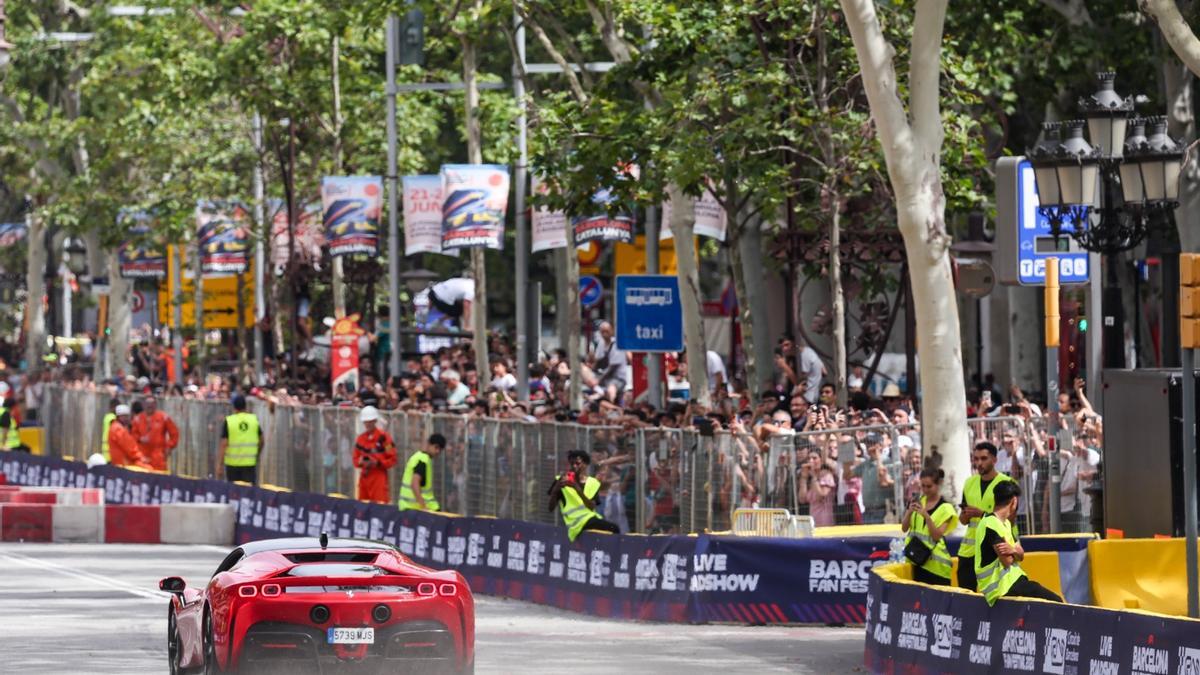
575	494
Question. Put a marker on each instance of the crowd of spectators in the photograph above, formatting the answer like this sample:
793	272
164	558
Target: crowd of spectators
796	447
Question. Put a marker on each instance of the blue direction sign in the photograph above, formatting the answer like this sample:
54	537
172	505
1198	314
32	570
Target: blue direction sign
649	313
1036	244
590	291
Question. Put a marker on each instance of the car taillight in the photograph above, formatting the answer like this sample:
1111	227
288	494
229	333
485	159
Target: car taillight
248	591
270	590
426	589
448	589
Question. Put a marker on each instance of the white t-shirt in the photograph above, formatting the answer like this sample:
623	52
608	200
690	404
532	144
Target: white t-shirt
811	370
716	366
507	382
451	291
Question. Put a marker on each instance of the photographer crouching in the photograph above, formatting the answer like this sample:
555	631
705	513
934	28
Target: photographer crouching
575	493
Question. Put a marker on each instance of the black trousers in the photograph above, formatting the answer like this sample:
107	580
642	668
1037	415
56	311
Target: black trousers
924	576
244	474
1028	588
966	574
601	525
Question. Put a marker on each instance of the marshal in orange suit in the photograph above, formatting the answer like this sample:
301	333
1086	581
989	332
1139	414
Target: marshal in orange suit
374	454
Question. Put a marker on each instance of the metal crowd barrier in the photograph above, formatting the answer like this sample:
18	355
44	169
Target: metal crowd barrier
657	480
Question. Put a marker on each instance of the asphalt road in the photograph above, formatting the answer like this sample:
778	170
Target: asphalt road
91	608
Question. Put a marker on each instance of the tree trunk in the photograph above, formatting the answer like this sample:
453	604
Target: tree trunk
120	318
35	284
683	226
243	353
574	322
838	298
339	273
745	313
479	306
913	154
561	289
97	266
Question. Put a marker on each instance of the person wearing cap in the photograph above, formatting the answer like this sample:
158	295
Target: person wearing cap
416	488
105	425
122	447
374	455
241	445
156	434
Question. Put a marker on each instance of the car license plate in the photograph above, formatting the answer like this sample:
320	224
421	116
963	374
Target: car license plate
351	636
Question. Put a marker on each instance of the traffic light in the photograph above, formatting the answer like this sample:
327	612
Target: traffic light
1189	300
412	38
1083	325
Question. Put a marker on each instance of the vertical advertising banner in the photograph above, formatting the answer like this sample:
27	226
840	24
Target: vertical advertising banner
422	214
549	228
222	230
310	234
343	362
352	205
710	218
138	258
475	202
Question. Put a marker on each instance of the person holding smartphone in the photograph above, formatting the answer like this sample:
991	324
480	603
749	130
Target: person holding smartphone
575	494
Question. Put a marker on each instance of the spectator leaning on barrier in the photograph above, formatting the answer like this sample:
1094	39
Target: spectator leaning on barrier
156	434
121	445
978	500
374	455
927	521
998	563
241	445
877	481
416	487
575	495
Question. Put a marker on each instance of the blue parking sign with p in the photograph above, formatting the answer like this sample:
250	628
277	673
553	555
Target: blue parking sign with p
649	315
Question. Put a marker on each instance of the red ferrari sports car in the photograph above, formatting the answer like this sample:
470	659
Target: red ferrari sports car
319	605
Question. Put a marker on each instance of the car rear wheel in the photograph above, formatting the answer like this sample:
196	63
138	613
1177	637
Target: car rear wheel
173	643
210	647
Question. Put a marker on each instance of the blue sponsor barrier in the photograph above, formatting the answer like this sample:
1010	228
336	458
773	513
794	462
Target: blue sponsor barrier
914	628
683	579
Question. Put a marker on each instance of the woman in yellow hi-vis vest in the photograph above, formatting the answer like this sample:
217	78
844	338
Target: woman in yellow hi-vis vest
574	494
416	488
105	424
241	445
998	560
926	522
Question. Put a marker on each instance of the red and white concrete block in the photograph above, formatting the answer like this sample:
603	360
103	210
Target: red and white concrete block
79	515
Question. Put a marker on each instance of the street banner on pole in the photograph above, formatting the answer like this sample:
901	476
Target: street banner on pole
343	365
604	226
352	205
423	215
310	234
549	228
138	257
710	218
475	200
12	233
222	229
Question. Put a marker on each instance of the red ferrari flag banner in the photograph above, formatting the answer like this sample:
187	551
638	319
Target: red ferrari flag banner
422	214
475	202
139	258
344	354
352	206
222	230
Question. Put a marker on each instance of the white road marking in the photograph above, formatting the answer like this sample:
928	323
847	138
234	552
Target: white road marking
38	563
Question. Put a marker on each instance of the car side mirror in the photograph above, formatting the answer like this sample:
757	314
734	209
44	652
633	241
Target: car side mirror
172	585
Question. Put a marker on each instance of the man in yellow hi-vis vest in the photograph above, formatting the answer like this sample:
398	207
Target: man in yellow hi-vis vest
998	562
977	501
241	445
575	495
416	488
10	436
104	426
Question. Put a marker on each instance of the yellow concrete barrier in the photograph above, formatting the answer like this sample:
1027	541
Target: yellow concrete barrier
1143	574
34	438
